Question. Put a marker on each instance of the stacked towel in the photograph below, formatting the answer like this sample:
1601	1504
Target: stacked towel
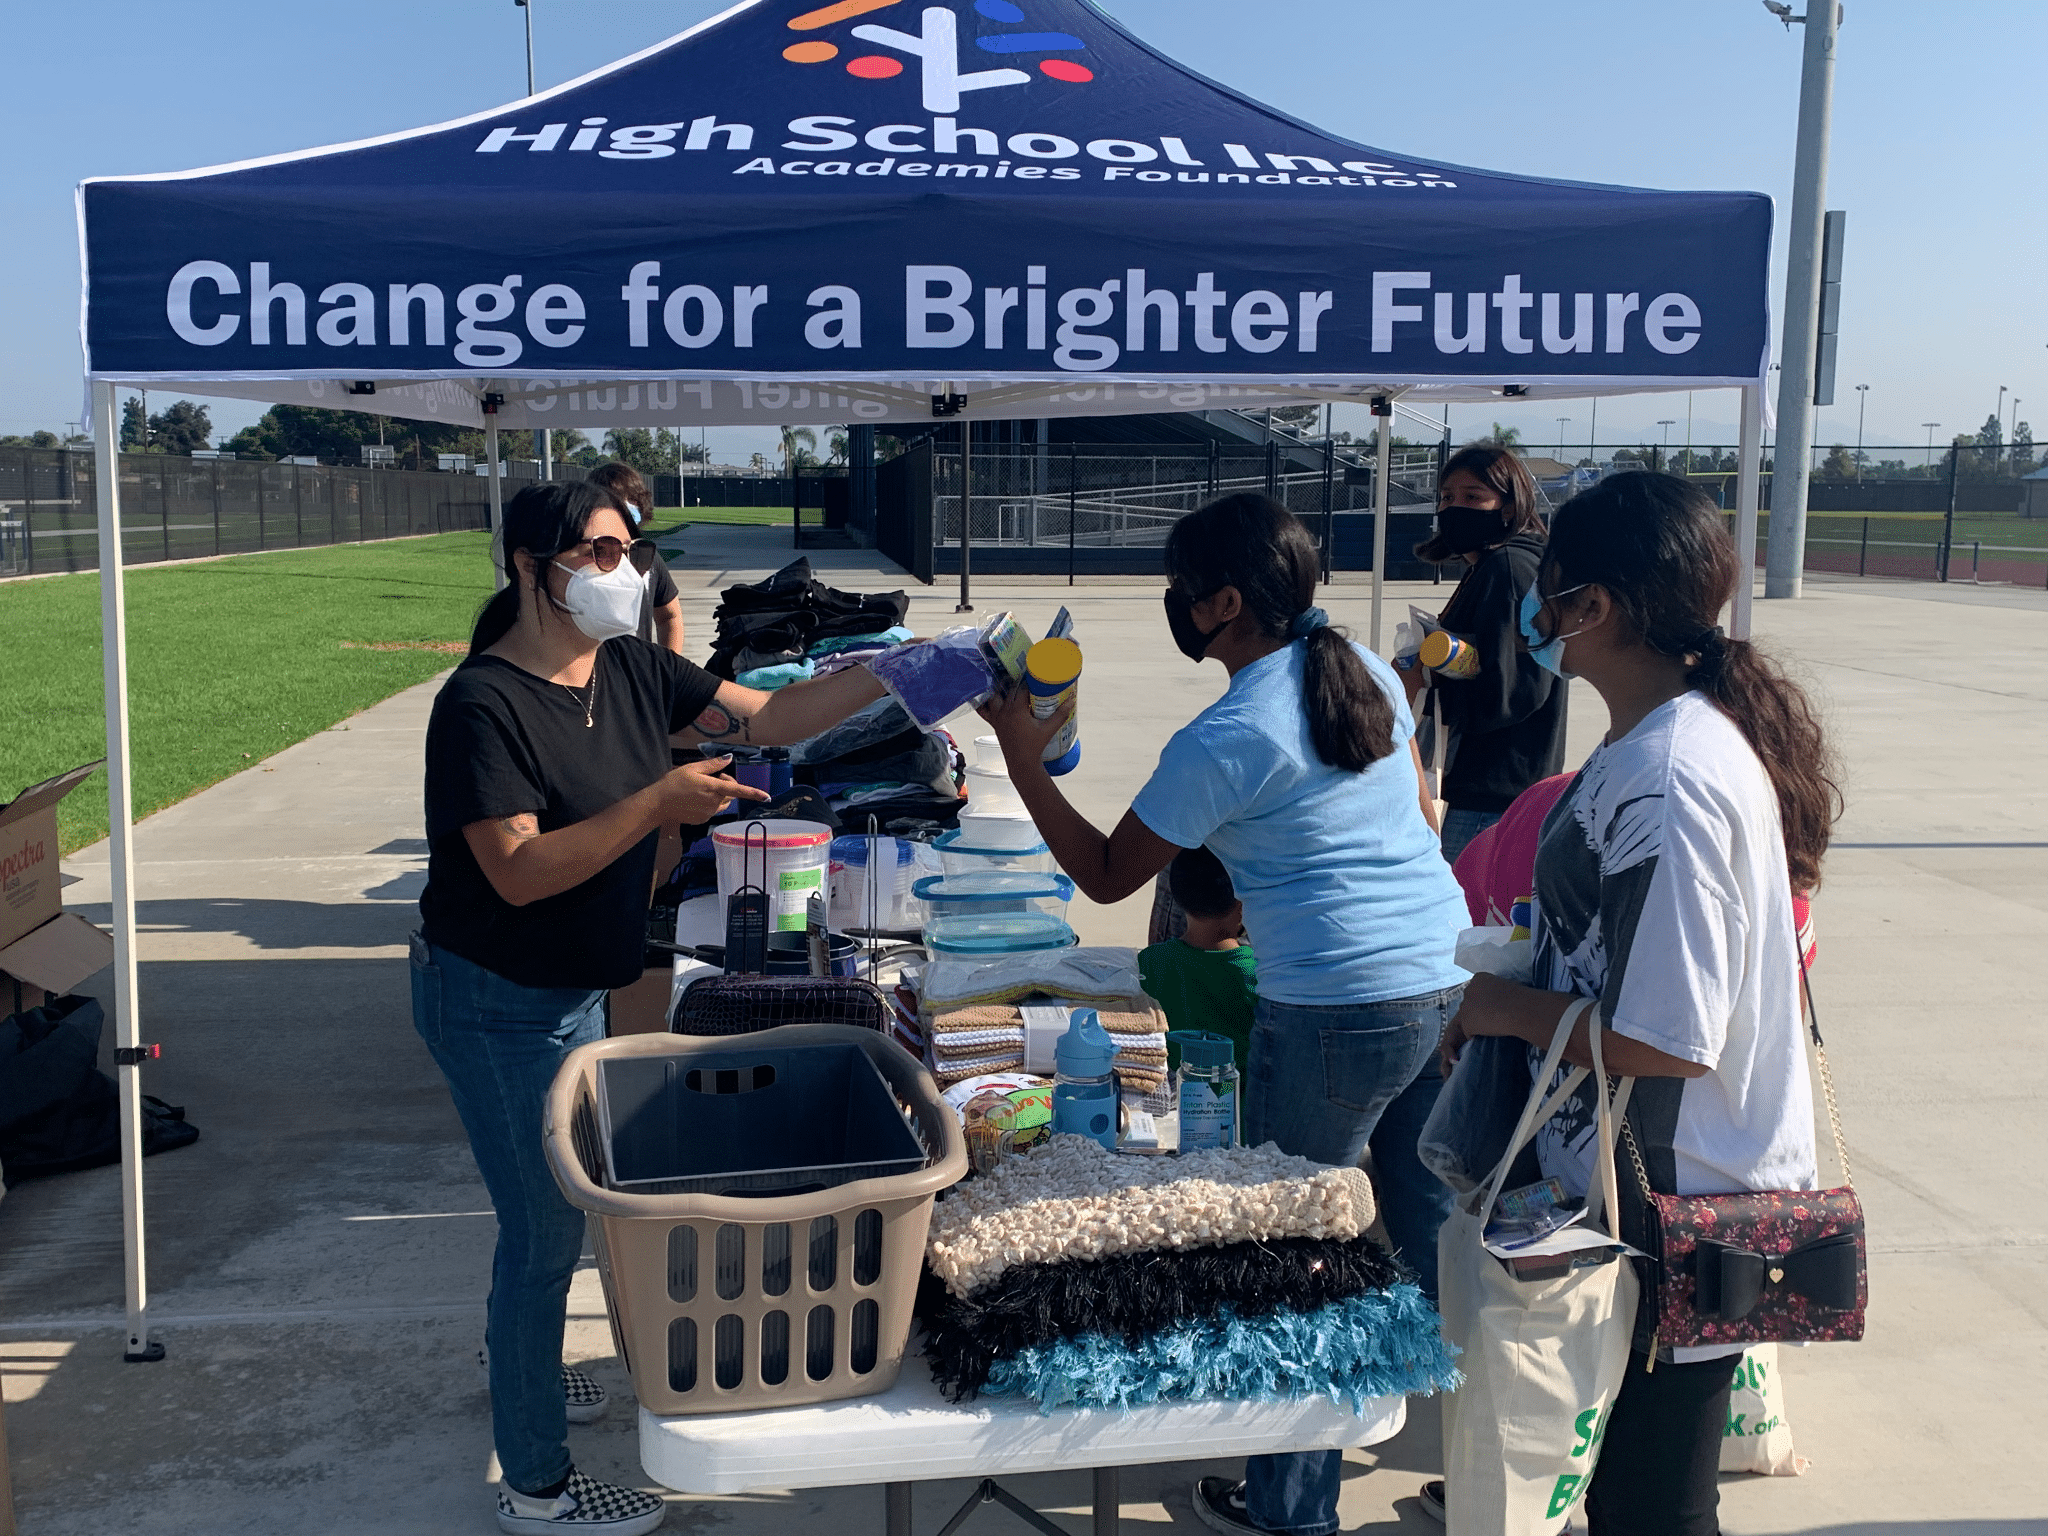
1073	1275
990	1038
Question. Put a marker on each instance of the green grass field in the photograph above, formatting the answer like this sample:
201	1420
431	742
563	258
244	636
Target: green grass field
229	660
777	517
2014	538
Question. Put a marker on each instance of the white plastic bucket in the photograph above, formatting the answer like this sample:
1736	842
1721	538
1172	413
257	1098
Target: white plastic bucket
797	855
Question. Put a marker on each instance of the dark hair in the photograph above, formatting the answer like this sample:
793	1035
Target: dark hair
543	520
1502	471
1660	549
625	482
1257	546
1200	883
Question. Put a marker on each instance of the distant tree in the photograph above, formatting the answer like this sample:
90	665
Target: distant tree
799	449
888	446
758	463
1301	420
2022	448
835	446
1992	433
1840	464
652	451
39	439
336	437
183	427
692	453
134	428
1504	437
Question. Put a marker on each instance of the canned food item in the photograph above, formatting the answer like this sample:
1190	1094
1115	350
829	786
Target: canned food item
1052	672
1448	656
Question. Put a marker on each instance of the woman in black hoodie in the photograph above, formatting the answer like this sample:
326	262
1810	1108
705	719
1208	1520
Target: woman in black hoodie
1505	724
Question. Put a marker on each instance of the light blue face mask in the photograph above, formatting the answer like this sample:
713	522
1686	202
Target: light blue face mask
1548	654
634	513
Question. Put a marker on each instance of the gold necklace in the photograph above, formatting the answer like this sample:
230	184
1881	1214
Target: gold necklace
589	702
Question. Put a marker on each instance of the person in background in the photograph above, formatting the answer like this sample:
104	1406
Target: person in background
1505	726
1207	978
661	616
1662	892
1303	779
547	776
1498	867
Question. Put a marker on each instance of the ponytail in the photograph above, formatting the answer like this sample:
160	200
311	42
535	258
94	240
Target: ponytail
1661	550
1777	719
543	520
1350	717
495	619
1257	546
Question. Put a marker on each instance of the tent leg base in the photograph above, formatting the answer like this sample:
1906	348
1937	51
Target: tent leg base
151	1352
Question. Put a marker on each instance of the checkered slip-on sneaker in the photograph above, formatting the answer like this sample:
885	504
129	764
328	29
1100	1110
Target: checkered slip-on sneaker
585	1508
586	1399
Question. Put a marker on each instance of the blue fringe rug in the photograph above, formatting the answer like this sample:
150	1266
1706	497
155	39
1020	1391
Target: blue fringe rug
1383	1344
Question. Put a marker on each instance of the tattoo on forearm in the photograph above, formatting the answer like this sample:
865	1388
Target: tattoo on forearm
522	828
717	723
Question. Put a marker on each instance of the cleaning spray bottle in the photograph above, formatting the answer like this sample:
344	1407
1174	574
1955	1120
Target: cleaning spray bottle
1083	1086
1208	1089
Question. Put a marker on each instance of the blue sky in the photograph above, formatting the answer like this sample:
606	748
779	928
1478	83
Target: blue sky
1937	144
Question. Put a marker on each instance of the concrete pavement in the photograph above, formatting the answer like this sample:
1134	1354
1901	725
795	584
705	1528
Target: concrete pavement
319	1259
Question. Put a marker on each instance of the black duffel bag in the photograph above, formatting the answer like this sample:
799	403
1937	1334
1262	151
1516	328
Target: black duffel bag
58	1111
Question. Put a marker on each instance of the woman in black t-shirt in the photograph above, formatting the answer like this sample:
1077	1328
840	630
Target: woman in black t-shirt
548	775
1505	725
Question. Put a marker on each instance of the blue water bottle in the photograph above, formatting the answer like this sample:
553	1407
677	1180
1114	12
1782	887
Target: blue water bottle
1084	1087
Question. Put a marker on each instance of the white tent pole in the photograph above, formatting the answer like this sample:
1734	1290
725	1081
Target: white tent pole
1748	479
497	495
1383	463
121	866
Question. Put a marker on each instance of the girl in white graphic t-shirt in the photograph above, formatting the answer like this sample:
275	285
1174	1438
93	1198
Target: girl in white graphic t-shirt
1662	891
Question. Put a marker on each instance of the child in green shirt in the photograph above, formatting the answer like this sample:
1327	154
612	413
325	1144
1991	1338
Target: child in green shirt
1206	978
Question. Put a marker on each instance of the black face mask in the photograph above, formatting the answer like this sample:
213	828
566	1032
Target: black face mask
1192	639
1467	530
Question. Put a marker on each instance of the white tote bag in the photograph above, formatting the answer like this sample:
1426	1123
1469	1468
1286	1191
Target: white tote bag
1543	1359
1759	1433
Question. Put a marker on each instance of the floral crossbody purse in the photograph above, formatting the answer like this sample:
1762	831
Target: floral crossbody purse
1758	1266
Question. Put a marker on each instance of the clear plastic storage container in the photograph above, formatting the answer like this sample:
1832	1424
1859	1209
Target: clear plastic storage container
1001	933
991	891
959	854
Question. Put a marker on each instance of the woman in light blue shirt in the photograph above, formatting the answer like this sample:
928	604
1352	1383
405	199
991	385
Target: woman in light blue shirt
1304	780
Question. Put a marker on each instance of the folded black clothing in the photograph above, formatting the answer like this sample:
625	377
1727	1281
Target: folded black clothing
1130	1295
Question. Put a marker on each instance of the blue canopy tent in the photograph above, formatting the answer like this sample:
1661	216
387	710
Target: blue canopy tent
872	211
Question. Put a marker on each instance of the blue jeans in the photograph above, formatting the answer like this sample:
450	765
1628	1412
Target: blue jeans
1460	827
498	1044
1326	1083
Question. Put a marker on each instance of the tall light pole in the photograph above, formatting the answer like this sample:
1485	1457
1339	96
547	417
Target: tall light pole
1786	560
544	439
1862	399
1562	423
1930	426
528	9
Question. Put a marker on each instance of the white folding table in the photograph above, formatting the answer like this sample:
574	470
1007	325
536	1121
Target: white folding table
910	1434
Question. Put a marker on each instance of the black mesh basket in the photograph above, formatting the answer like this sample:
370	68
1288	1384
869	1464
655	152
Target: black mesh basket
745	1005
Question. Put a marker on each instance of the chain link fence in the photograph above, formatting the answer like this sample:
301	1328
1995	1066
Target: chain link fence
1960	513
181	509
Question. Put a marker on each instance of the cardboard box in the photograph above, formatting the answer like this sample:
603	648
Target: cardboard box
44	950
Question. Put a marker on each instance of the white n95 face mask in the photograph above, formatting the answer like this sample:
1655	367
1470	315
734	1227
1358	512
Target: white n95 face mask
604	604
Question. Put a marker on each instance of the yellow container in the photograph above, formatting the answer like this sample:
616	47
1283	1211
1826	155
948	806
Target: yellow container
1052	671
1448	656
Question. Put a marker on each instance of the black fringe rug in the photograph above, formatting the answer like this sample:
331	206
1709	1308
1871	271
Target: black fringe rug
1133	1294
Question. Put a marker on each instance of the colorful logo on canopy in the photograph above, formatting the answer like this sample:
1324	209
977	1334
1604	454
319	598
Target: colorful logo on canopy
937	49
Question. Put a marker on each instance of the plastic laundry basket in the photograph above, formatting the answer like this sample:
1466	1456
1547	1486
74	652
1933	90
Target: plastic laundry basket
761	1207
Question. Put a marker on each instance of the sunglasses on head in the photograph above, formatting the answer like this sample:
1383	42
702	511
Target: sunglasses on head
606	552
